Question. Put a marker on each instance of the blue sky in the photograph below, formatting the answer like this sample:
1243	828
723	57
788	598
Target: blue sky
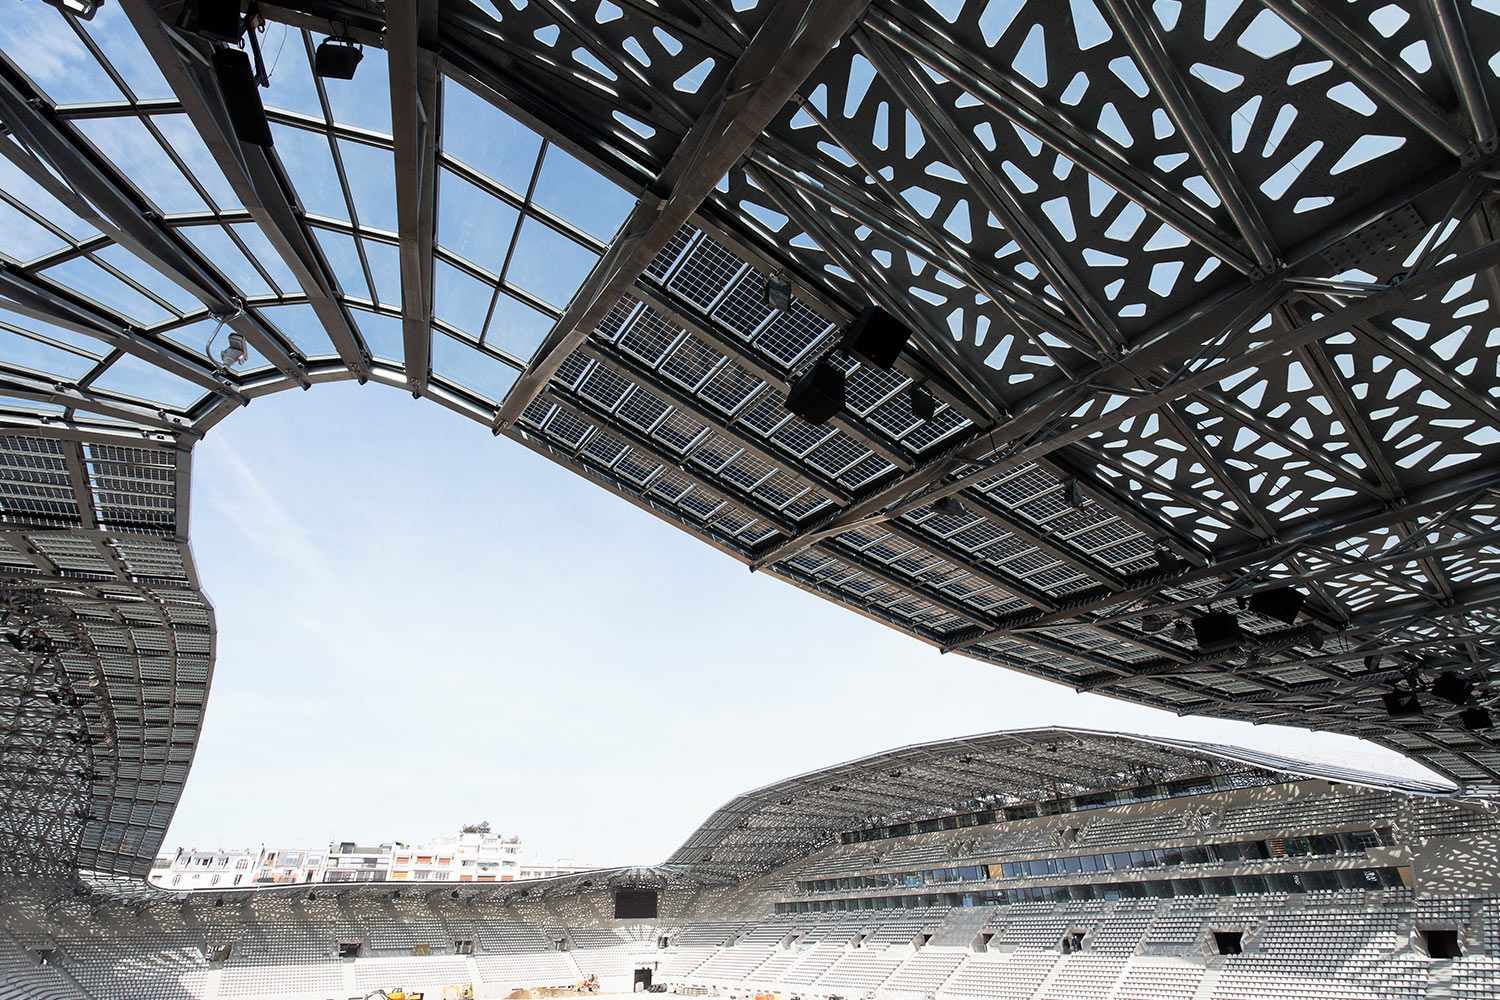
422	625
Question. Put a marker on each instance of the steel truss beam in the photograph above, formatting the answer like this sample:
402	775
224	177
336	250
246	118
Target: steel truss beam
253	173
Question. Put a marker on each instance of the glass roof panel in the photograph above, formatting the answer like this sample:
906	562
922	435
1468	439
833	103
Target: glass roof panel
516	328
131	376
48	51
112	31
487	139
580	195
185	141
292	87
22	239
16	183
255	241
548	264
129	144
385	268
213	242
471	368
371	173
300	325
458	299
28	352
308	162
344	259
148	277
474	224
78	341
382	334
87	278
365	101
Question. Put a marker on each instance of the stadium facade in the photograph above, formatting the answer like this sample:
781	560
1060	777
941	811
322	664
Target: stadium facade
1147	349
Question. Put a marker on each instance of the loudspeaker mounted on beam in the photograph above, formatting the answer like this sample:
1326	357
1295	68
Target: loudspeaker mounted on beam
216	19
241	97
1282	603
876	338
818	394
1217	630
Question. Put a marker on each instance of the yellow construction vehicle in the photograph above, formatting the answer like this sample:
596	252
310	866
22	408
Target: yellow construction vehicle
464	992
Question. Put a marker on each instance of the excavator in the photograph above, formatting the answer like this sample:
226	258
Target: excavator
464	992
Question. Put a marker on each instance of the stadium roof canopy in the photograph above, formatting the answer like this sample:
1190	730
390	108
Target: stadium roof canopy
1200	293
769	826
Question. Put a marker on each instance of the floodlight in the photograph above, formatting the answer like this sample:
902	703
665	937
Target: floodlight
78	8
1451	687
949	506
1073	494
1153	623
337	58
1166	559
923	405
777	293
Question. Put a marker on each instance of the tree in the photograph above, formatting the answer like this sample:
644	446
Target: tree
483	826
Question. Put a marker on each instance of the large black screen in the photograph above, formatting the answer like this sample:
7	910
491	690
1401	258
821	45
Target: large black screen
635	904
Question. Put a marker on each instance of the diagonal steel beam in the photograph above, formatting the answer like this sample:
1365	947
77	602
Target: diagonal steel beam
253	173
410	43
1325	31
1152	57
787	48
94	194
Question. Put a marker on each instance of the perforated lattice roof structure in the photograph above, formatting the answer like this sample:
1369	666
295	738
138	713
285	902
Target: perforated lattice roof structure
1202	293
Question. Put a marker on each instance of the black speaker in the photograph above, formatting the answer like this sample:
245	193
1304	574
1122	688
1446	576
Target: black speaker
242	97
1282	604
1452	688
1216	630
1401	704
337	59
876	338
217	19
818	394
1476	718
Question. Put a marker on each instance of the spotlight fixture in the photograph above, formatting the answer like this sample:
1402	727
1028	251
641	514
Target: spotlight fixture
1476	718
949	506
1217	630
1280	603
1372	662
1181	631
1166	559
337	58
876	338
1452	688
777	293
78	8
235	353
923	405
1402	704
1073	494
1153	623
818	394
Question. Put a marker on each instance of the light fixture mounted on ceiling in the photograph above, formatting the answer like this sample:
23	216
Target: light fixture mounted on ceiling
778	293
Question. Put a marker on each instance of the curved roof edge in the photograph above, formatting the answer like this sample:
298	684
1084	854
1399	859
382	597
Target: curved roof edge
748	833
